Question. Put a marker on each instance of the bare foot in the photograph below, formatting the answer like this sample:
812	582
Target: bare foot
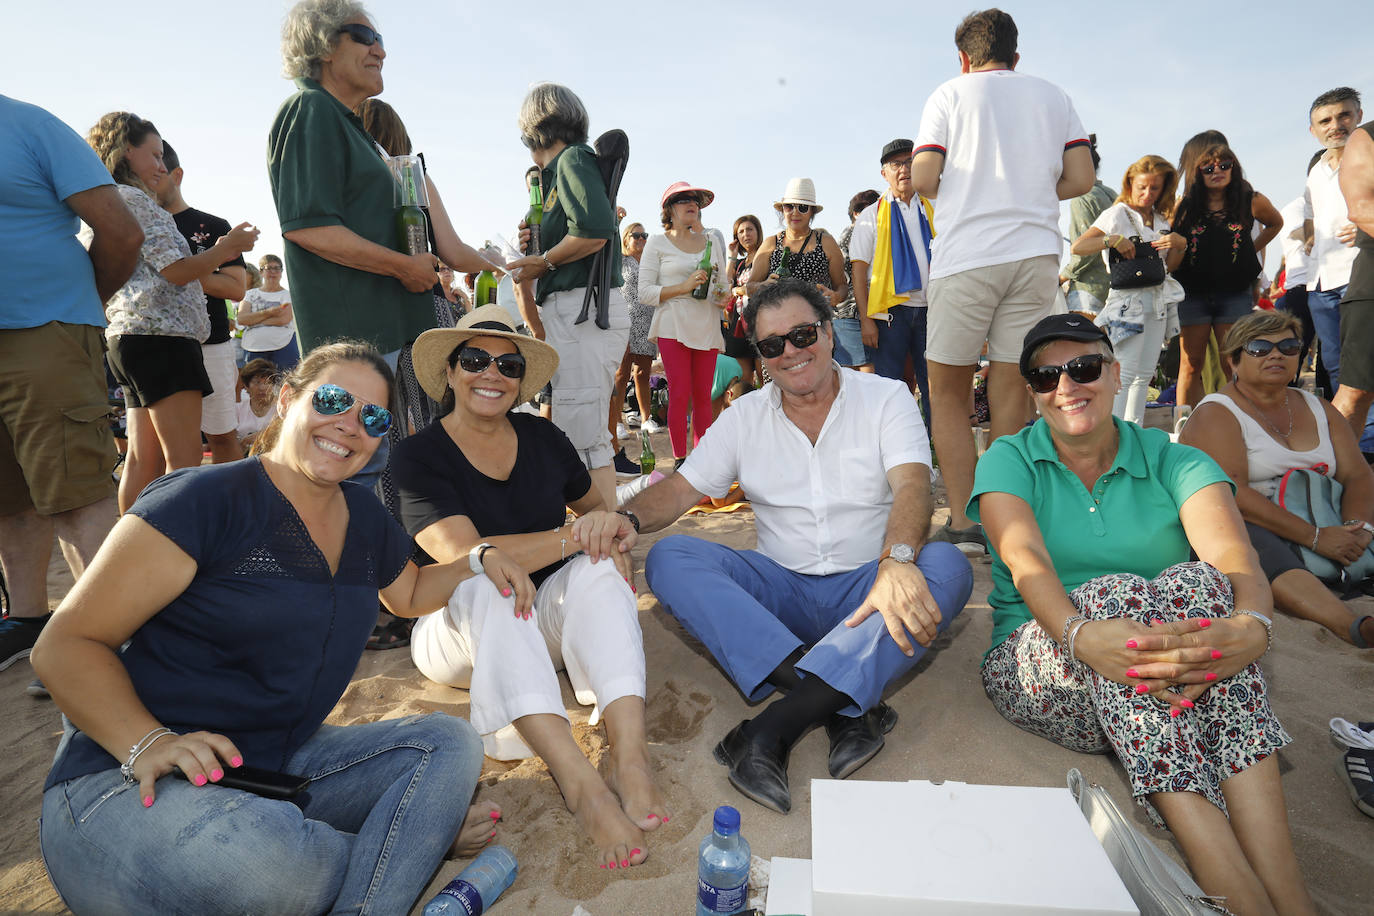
631	777
619	842
479	829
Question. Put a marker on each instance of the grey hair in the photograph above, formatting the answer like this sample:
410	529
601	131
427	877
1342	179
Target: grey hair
311	31
1102	347
551	113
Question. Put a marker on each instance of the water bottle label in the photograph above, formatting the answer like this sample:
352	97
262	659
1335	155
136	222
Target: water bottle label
721	899
467	896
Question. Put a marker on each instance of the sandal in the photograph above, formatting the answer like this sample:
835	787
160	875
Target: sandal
1355	636
394	634
1357	767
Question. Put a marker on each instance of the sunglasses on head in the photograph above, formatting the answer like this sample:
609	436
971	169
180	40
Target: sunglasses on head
474	360
683	199
330	400
1081	369
802	337
803	209
1289	346
362	34
639	235
1215	166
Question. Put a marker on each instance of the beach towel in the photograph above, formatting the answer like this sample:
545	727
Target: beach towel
895	268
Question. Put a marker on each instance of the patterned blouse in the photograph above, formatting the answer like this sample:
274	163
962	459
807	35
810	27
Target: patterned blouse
148	304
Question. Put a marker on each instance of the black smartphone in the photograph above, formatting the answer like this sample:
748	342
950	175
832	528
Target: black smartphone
267	783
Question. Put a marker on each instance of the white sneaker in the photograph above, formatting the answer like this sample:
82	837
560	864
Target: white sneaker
652	425
622	431
631	418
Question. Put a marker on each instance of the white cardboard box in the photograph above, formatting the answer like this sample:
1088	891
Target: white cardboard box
881	848
789	887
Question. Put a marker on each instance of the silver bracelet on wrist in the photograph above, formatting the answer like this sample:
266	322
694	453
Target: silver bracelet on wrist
1268	626
1316	533
126	768
1064	637
1073	636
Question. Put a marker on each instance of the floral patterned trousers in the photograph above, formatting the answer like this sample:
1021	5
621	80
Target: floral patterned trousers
1231	728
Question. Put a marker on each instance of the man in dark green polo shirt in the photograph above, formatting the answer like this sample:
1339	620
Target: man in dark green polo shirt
578	221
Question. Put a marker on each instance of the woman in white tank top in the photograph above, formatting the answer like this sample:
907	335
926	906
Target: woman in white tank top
1257	428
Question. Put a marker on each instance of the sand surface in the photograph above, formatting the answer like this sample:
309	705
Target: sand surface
947	730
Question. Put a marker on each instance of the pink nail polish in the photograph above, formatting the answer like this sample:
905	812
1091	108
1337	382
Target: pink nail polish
665	818
1211	676
635	852
236	762
1216	654
216	775
1175	712
1187	704
1132	644
148	802
1142	688
1204	623
493	835
505	593
602	865
624	863
495	816
200	779
612	865
1131	672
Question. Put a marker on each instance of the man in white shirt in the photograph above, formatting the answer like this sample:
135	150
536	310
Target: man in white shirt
901	331
843	595
1327	228
999	150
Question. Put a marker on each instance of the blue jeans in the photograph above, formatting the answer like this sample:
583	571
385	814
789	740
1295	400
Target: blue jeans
903	335
849	342
1325	306
751	613
284	358
386	801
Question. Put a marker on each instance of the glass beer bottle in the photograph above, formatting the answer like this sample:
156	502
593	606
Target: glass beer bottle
704	287
412	229
534	216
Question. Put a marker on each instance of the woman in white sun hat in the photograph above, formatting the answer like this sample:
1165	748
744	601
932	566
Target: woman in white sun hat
812	254
492	485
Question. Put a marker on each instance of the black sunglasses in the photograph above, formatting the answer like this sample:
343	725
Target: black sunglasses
362	34
803	209
1223	166
474	360
639	235
802	337
684	199
1082	369
330	400
1290	346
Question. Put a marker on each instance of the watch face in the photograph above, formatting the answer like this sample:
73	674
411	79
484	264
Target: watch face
903	553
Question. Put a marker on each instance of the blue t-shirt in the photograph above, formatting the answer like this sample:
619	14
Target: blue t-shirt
48	275
263	642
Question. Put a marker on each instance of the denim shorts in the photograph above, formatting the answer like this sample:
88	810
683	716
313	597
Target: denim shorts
849	342
1215	308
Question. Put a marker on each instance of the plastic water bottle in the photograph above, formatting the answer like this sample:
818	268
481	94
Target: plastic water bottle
723	867
477	886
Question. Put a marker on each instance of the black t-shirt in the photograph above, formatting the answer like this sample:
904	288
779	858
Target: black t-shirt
200	230
436	481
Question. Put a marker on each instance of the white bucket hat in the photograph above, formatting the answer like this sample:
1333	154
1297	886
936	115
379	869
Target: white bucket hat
800	191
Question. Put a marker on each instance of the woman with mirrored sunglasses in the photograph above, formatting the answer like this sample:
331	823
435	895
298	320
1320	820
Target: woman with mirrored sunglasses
1216	214
217	627
1106	636
812	254
1257	428
487	484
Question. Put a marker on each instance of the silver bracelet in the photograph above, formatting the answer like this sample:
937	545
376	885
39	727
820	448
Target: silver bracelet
1073	636
1316	533
1064	637
126	768
1268	626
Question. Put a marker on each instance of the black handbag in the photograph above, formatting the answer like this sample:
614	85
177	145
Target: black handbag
1145	269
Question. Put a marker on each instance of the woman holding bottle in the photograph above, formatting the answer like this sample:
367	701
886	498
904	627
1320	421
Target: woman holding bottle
682	274
748	233
800	251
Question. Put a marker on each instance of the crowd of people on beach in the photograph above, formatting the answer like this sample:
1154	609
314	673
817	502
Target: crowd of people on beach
396	461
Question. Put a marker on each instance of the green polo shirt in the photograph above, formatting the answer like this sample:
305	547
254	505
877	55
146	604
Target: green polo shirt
326	171
577	206
1128	524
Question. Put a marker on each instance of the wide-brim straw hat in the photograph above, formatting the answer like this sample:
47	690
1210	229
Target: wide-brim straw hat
704	197
432	349
799	191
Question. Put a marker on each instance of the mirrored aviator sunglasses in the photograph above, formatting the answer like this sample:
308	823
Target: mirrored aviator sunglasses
1082	369
331	400
802	337
1289	346
474	360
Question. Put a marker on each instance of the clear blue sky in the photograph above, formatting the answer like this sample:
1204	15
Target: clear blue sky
737	97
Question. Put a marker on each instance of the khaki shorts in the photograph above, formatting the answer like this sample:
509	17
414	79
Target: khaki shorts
56	450
997	304
587	360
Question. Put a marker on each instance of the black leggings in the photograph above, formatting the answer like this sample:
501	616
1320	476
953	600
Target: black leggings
1276	555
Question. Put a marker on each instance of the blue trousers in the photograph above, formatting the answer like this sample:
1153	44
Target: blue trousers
1325	305
903	335
386	801
752	613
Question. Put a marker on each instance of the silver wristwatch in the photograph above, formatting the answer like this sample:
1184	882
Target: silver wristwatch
475	557
902	553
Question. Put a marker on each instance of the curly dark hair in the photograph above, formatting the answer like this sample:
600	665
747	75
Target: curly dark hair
774	294
1193	205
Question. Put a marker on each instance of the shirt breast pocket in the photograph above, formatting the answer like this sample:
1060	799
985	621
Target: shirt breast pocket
862	478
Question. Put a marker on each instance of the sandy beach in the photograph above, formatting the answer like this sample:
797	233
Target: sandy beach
947	730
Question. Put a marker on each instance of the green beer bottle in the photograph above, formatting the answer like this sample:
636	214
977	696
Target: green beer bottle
646	453
704	264
785	265
412	229
534	216
486	289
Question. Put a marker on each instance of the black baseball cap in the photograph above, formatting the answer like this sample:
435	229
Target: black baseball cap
895	148
1060	327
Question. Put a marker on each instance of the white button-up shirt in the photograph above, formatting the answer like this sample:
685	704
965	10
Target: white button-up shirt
1329	265
819	509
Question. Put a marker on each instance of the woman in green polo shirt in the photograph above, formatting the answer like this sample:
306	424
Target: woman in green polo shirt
1106	636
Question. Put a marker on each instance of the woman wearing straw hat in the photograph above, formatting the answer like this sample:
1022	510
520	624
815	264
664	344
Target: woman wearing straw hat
686	329
813	254
482	479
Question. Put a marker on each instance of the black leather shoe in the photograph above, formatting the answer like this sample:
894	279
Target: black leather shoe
857	740
758	772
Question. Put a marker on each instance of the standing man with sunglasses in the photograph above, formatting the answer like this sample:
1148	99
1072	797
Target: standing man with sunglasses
1000	150
843	595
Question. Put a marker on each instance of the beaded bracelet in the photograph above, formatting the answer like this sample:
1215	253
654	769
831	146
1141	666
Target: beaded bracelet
1064	637
126	768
